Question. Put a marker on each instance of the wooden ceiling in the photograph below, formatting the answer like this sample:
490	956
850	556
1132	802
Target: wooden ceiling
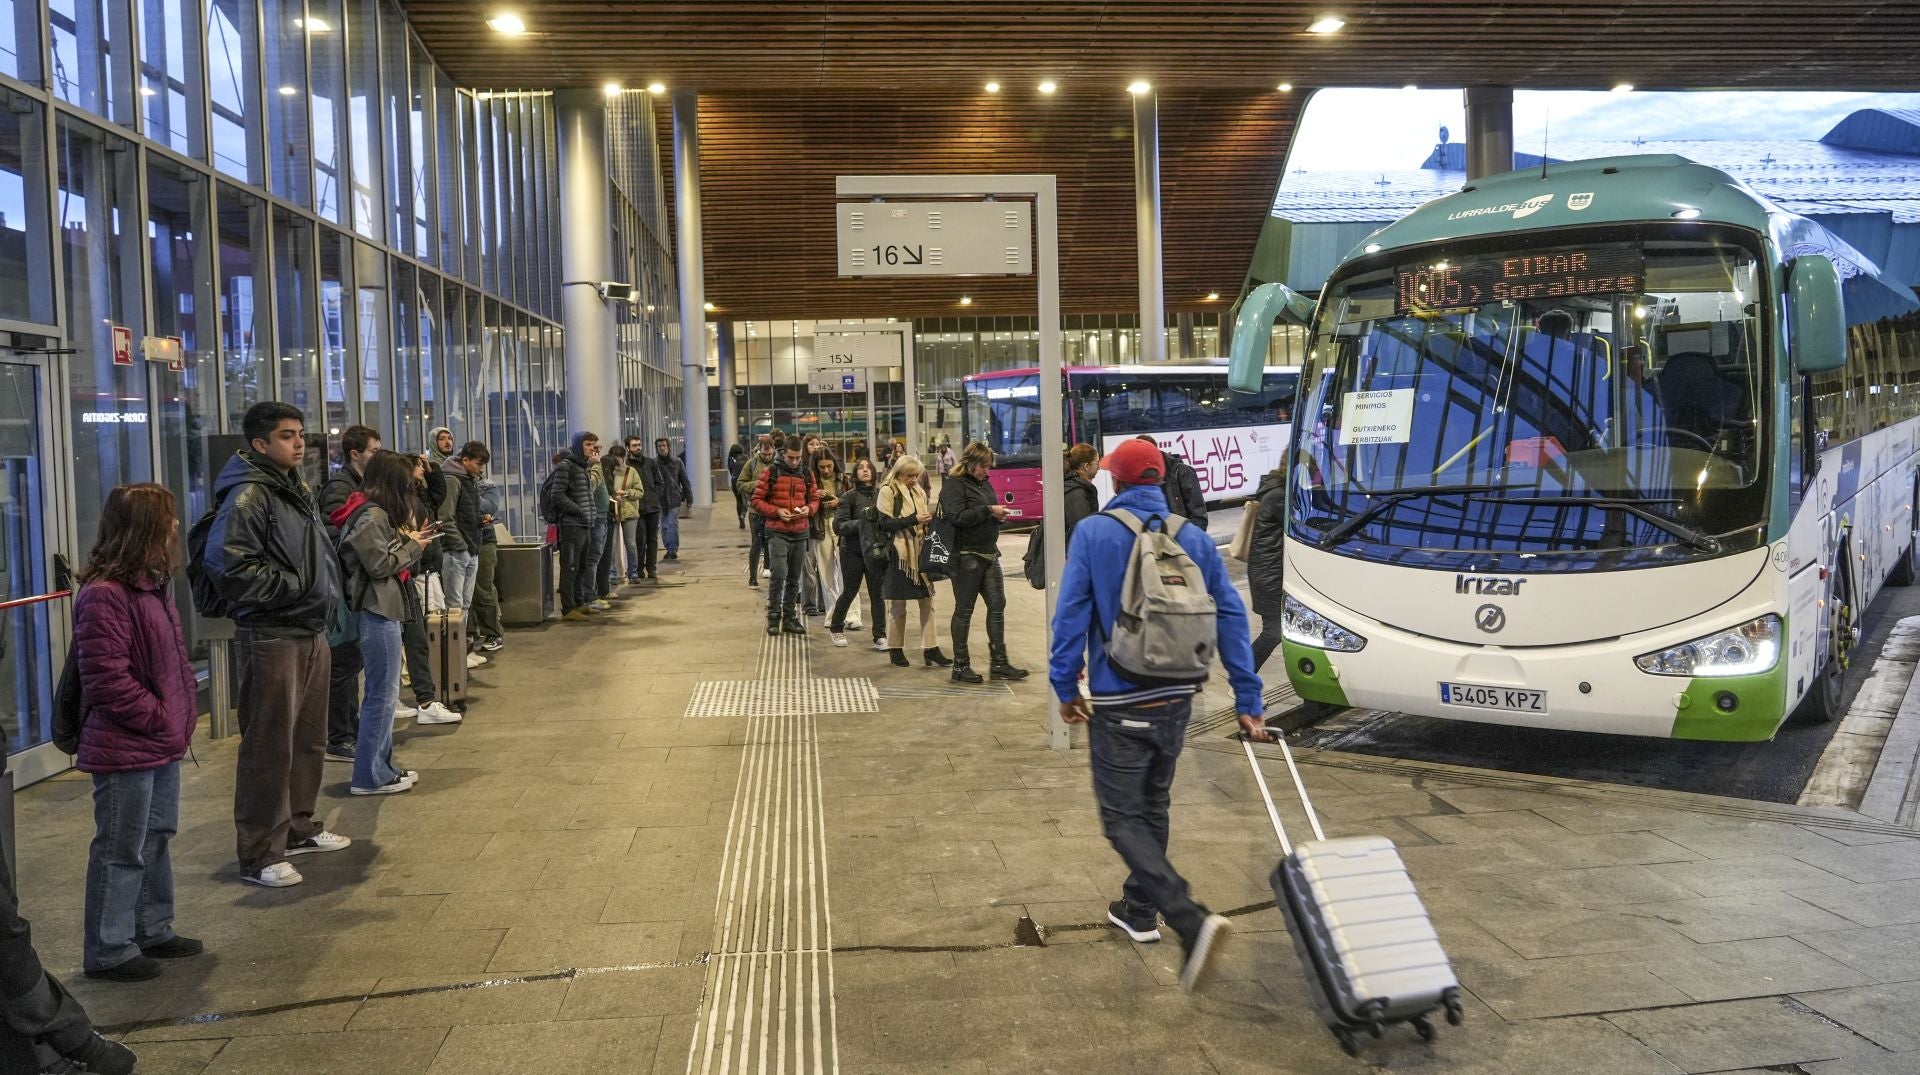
794	94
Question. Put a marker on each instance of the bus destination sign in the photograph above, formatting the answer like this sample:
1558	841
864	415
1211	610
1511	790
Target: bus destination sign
1455	285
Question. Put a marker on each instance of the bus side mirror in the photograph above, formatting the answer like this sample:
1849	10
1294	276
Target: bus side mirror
1816	315
1253	329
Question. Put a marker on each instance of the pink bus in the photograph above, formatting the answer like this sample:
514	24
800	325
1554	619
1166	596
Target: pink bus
1230	439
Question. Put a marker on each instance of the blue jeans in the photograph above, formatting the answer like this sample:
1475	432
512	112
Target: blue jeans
129	899
630	540
670	529
380	650
1134	751
458	572
589	581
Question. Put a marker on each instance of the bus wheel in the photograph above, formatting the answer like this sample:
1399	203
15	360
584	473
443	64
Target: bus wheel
1824	702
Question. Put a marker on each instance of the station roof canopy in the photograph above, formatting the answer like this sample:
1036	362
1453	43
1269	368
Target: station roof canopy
795	93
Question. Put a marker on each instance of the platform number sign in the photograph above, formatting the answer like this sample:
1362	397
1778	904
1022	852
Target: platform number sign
935	238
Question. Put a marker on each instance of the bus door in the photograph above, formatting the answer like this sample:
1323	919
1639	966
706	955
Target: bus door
35	576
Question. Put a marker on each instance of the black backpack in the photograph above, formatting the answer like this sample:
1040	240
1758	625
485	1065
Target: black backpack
67	712
549	511
207	599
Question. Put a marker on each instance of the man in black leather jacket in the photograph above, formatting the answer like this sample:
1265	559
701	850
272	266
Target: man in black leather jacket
968	498
271	558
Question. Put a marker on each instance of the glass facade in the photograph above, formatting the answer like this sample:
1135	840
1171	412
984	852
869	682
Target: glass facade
293	190
646	331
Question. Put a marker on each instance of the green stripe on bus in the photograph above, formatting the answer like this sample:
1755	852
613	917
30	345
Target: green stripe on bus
1318	686
1759	706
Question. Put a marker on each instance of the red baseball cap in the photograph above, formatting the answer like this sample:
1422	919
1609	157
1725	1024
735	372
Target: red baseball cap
1135	462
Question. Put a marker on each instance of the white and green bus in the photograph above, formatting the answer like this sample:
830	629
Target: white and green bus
1618	448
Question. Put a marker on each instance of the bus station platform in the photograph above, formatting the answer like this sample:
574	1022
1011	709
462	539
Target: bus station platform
662	841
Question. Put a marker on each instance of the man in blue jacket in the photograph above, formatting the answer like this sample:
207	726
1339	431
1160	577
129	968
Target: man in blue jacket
1135	732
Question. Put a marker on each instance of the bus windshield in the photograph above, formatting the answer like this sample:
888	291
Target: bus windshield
1005	413
1547	406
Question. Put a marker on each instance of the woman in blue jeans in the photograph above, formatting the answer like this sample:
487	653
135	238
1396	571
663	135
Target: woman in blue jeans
137	713
382	536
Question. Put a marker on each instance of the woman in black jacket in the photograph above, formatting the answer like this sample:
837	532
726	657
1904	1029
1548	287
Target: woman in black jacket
968	499
1083	498
855	515
1265	567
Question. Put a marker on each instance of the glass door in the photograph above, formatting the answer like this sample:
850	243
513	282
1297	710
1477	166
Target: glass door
35	604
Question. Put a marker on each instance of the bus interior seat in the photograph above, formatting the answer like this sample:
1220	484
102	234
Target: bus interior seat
1695	395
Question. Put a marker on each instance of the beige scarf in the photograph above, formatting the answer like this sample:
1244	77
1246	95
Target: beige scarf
897	502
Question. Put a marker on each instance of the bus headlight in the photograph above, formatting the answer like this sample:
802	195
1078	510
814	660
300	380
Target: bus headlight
1745	650
1305	627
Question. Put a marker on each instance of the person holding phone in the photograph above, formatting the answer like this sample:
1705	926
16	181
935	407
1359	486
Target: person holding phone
967	497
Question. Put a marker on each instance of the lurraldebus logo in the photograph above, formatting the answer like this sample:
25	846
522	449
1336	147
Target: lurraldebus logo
1520	210
1532	205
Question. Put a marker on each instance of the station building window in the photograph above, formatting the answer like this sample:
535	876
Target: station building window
288	98
91	53
233	78
296	342
242	227
327	55
20	40
169	79
25	238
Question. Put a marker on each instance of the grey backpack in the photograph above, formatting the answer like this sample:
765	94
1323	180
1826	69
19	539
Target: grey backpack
1166	630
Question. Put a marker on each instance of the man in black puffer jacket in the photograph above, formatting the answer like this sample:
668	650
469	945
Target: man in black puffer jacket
967	498
570	499
272	560
1266	569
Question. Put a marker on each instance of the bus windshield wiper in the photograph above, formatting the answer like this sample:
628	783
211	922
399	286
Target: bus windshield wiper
1383	501
1634	506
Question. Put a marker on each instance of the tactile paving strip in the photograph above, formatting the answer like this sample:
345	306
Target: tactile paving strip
783	697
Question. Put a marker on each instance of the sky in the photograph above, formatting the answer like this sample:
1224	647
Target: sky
1402	126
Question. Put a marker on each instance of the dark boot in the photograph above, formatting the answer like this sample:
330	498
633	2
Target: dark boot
792	624
934	657
773	622
1003	668
964	674
899	657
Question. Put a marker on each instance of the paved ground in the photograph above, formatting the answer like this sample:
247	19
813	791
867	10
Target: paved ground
588	879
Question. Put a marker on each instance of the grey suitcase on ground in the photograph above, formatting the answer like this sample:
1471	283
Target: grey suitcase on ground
447	655
1363	937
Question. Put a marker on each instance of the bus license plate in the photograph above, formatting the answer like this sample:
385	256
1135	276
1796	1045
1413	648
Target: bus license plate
1510	699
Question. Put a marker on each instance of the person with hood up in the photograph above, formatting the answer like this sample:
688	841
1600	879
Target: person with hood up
737	458
571	504
1181	486
271	559
138	708
1266	568
787	497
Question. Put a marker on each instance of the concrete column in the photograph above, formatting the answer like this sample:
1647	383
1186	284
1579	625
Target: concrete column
593	367
1146	227
1489	130
729	403
693	292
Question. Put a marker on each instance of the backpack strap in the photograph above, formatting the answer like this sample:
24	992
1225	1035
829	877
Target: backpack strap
1169	523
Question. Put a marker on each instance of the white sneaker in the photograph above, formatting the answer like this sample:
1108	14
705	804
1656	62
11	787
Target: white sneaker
766	572
403	711
278	875
838	639
435	713
599	606
880	645
475	660
398	785
318	842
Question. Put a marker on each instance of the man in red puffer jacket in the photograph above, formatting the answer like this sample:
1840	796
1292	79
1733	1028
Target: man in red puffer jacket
787	497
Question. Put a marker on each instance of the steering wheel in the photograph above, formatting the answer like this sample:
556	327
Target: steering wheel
1640	438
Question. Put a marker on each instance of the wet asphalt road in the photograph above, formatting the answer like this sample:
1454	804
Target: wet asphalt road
1775	771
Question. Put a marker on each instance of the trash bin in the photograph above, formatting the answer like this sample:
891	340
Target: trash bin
524	579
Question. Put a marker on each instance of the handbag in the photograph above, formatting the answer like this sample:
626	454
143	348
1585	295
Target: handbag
1242	545
1035	562
68	713
936	549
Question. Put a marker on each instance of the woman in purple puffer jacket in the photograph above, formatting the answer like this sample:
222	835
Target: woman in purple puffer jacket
138	711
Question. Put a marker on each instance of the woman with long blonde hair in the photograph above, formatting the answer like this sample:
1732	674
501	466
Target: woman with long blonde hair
904	513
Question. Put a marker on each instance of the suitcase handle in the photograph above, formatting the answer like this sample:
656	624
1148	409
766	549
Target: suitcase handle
1299	785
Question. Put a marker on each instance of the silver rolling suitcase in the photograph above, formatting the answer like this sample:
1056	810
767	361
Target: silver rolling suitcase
1363	937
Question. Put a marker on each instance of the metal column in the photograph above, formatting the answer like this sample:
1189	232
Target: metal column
693	293
724	357
1489	130
1146	227
593	370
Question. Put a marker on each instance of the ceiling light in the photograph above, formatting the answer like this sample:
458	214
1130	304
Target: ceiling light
1048	86
1623	87
656	88
993	87
1327	24
1285	87
1140	86
507	23
611	89
313	26
288	91
1213	296
711	307
966	300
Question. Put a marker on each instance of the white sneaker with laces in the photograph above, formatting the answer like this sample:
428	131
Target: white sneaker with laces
475	660
318	842
403	711
278	875
880	645
435	713
838	639
395	787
